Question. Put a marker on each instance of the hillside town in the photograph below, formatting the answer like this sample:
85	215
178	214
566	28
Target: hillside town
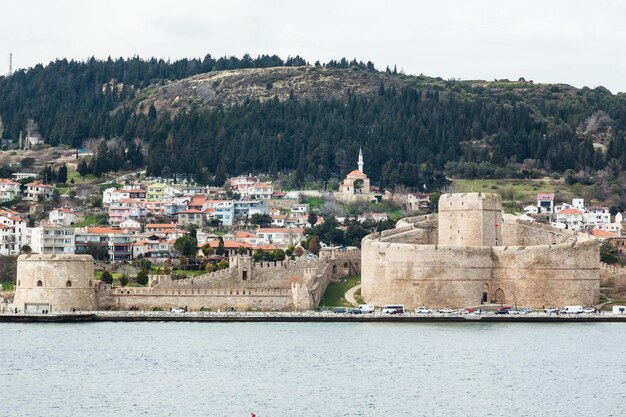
143	217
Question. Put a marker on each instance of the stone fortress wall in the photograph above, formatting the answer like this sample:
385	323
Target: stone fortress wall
66	282
54	283
245	285
491	260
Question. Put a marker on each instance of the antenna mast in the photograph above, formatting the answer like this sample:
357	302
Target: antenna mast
10	63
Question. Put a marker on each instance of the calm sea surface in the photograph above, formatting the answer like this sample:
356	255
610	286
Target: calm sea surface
313	369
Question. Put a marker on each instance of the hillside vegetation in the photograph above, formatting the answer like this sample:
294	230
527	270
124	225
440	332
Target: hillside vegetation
213	118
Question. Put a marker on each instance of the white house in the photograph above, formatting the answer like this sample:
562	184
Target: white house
13	235
278	220
61	216
545	202
571	217
36	188
279	236
531	210
300	209
51	239
578	204
8	190
260	191
130	225
597	215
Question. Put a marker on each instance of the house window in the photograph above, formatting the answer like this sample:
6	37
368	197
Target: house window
68	283
39	283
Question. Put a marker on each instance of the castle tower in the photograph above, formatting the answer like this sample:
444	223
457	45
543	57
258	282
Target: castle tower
54	283
244	265
470	219
360	160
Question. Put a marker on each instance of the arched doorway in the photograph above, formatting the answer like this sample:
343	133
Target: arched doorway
500	296
485	296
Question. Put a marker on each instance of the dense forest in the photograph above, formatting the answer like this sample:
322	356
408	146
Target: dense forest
412	135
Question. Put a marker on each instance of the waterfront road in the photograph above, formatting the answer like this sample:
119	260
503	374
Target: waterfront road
306	316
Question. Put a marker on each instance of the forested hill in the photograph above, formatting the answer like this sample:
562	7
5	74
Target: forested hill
217	117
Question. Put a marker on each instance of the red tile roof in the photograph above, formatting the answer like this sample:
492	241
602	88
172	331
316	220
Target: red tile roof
570	211
103	230
244	235
545	196
228	244
603	233
356	174
38	184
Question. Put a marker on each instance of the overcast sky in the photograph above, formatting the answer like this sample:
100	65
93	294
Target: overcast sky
582	43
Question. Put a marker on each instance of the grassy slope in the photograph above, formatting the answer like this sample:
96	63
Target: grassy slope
334	295
523	191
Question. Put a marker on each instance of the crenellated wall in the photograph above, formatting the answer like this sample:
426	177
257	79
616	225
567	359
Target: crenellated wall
245	285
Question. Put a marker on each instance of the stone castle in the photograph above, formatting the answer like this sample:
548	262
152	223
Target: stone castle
469	254
61	283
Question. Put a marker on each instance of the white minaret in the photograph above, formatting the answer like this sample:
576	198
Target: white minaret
360	160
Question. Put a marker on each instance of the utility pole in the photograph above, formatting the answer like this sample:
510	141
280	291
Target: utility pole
10	63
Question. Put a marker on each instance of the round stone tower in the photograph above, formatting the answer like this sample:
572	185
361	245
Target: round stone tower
54	283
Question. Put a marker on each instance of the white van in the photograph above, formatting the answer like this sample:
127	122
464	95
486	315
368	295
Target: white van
366	308
393	309
619	309
572	310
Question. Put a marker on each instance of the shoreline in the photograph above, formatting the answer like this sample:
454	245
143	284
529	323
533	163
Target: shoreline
131	316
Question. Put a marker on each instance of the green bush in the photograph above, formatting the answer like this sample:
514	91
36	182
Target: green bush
106	277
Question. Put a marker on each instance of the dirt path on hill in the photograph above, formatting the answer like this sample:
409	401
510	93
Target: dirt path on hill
350	295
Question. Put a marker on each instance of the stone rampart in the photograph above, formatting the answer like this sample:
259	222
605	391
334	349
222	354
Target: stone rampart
241	299
540	266
245	285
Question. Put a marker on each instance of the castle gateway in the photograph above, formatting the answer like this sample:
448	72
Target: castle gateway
469	254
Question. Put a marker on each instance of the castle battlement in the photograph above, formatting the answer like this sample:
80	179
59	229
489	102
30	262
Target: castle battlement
470	254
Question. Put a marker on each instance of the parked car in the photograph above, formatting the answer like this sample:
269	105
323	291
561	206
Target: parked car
423	310
340	310
551	310
503	310
589	310
525	310
178	310
445	310
355	311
